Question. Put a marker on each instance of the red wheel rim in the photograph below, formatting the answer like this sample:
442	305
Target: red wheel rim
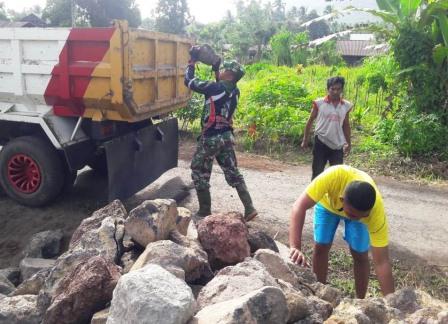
24	173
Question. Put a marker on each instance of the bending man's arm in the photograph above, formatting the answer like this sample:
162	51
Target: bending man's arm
383	269
297	219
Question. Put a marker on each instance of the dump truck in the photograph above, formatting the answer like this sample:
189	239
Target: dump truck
98	97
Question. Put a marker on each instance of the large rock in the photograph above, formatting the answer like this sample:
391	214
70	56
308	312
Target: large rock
305	275
30	266
404	300
235	281
114	210
33	285
152	221
20	310
362	311
183	220
328	293
260	240
151	295
264	306
106	239
84	291
64	264
319	308
224	238
44	245
168	254
275	265
295	300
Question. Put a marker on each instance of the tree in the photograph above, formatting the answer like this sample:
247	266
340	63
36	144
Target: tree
172	16
317	29
58	13
96	13
3	12
18	15
101	12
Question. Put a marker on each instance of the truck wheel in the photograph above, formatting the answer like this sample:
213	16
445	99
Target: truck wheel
31	171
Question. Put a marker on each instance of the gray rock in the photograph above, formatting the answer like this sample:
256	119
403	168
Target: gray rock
100	317
83	292
45	245
423	316
328	293
442	317
20	310
183	220
151	295
151	221
296	301
235	281
404	299
12	274
106	239
33	285
2	296
304	274
30	266
260	240
264	306
115	210
319	307
168	254
275	265
6	286
362	311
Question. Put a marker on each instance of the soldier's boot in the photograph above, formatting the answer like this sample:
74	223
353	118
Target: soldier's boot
205	203
249	211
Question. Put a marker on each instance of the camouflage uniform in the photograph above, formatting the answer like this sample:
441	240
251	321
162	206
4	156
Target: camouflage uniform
221	147
221	99
216	140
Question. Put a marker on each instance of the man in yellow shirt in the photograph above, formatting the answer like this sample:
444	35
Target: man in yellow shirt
348	194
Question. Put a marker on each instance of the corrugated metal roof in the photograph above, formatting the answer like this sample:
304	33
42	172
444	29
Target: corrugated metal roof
360	48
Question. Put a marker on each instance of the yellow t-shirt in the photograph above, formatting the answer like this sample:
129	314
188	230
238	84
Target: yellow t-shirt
329	186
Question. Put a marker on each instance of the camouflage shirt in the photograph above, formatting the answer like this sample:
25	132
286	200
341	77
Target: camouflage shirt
221	100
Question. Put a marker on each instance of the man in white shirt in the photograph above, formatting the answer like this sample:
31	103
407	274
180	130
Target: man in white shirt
332	135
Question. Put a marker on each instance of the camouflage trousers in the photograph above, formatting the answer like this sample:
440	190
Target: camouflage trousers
219	146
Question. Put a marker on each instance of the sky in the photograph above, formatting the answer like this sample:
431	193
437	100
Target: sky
206	11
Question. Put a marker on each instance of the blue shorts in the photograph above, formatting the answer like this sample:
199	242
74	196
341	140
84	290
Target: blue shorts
326	222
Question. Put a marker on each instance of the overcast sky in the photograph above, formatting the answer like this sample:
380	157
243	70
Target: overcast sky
208	10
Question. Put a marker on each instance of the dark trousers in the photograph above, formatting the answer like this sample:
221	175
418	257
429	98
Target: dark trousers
321	154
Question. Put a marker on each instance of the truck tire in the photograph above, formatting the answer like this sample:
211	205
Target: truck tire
31	171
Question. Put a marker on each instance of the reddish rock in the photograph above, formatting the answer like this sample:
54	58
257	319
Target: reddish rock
83	292
224	238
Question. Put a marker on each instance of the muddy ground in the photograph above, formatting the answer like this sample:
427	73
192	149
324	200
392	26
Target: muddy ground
418	214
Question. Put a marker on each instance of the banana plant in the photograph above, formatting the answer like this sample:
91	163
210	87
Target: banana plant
422	13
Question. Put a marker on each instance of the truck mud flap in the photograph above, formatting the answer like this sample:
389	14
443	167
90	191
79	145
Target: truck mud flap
139	158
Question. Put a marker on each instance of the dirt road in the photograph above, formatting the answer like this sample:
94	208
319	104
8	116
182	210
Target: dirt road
418	215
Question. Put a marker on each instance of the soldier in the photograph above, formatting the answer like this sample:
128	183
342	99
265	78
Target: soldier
217	140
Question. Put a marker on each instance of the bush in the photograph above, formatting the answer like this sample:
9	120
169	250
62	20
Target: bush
272	88
415	133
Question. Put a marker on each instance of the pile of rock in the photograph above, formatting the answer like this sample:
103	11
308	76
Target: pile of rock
154	265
